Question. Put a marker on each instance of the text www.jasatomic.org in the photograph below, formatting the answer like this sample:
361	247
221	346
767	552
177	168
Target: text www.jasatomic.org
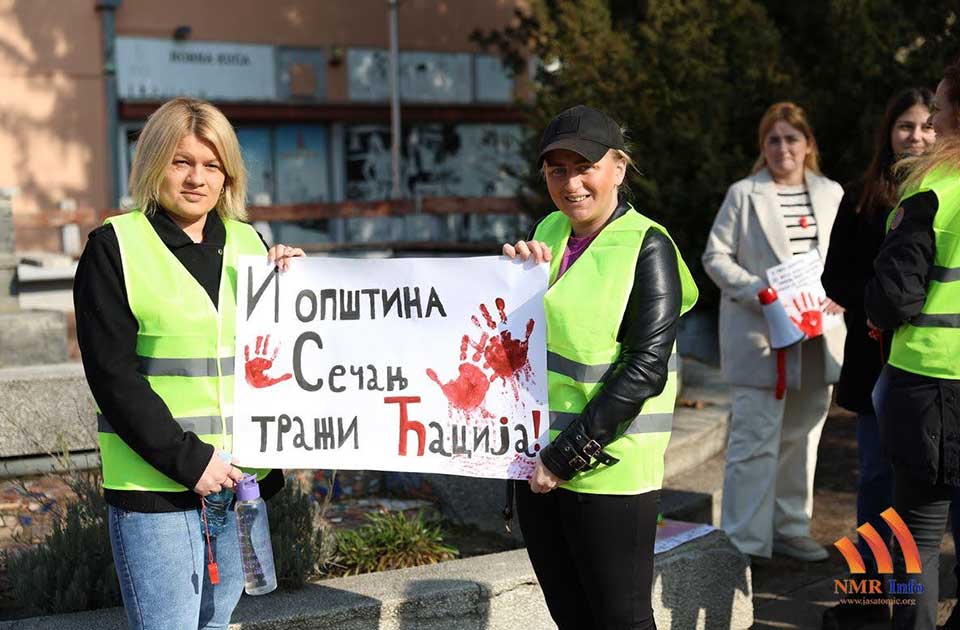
874	601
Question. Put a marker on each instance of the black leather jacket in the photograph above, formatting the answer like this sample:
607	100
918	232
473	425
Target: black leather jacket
647	332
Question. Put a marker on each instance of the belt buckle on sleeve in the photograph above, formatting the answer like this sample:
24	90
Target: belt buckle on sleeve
578	463
591	448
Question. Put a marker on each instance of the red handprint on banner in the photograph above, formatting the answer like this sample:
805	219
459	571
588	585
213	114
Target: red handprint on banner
467	391
256	367
810	320
503	356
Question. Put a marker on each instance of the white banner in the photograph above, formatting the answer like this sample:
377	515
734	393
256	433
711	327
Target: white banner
421	365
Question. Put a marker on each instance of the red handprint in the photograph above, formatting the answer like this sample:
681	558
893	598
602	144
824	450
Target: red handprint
468	390
505	356
256	367
811	315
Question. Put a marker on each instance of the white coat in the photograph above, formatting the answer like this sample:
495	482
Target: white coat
748	237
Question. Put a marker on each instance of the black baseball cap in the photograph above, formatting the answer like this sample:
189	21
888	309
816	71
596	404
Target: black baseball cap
583	130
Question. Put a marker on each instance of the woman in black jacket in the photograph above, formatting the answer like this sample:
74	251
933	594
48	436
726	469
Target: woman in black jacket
857	234
618	288
147	280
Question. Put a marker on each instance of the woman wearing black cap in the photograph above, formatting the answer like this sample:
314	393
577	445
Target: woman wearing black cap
618	286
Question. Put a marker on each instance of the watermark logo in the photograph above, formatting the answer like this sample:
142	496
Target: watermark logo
884	562
878	547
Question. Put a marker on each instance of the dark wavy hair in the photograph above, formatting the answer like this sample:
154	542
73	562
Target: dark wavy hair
880	184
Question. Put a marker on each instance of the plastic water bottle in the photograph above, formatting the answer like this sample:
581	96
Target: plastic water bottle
256	552
217	504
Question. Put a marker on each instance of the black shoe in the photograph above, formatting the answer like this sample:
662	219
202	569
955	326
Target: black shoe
847	616
953	622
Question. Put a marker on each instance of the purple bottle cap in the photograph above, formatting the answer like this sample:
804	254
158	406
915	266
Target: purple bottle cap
248	489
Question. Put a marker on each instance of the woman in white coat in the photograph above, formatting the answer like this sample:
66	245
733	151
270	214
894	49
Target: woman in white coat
784	209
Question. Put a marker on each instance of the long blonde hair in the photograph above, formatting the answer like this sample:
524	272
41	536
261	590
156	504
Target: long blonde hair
158	141
946	149
793	115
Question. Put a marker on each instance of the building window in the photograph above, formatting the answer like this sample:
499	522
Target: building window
435	160
256	144
286	164
303	172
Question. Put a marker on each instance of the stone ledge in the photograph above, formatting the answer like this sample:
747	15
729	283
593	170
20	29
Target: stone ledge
700	585
32	337
43	408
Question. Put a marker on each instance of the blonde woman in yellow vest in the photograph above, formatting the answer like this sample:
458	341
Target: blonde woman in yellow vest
916	295
618	286
155	297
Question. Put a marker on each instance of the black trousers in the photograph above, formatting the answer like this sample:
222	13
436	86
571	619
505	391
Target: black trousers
924	509
593	556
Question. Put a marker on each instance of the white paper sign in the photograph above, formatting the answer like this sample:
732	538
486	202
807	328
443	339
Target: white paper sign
798	286
421	365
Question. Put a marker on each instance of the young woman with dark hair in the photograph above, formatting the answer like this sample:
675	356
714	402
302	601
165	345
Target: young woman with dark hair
855	240
914	296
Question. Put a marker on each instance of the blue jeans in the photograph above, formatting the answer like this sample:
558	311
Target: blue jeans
875	487
161	562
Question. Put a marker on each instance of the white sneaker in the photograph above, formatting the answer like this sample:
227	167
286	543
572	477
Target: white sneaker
800	547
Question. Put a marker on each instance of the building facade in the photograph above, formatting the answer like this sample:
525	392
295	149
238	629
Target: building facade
305	83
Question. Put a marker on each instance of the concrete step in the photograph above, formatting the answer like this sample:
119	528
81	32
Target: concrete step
702	584
695	457
700	420
694	496
698	435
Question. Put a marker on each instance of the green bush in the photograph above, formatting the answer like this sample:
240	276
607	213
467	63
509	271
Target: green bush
72	569
390	541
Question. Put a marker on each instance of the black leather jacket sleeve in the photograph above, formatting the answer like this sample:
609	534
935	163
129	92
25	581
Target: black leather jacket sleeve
647	333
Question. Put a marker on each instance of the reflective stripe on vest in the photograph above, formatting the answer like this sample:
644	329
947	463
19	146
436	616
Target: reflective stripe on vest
584	310
928	343
203	425
590	373
945	274
641	423
185	345
153	366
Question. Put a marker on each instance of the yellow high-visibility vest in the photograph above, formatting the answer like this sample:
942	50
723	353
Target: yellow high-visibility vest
185	345
928	344
584	309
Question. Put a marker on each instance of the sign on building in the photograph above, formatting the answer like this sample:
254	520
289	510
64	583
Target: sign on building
154	69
